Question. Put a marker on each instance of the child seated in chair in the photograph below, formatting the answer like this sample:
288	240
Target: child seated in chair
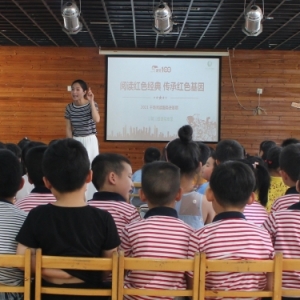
112	179
160	234
69	226
11	218
230	235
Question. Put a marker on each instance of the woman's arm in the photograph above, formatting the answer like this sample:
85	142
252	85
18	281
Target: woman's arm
95	113
68	129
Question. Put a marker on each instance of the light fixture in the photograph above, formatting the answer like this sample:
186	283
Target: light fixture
163	23
161	52
253	21
71	14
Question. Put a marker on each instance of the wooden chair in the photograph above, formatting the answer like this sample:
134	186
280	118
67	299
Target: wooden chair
75	263
18	261
291	265
151	264
241	266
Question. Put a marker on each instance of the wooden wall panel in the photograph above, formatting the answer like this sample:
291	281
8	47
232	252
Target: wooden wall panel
33	95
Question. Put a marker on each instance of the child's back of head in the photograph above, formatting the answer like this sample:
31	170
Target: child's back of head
151	154
262	178
229	150
10	174
232	183
33	161
264	147
289	162
160	183
184	152
66	165
289	141
14	149
205	152
272	159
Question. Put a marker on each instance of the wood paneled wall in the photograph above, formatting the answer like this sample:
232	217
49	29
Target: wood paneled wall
33	95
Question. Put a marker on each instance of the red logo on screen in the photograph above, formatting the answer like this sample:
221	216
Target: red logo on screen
158	69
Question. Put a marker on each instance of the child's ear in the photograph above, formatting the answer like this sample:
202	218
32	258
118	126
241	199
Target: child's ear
179	194
251	198
142	195
111	177
298	186
48	185
21	183
217	162
89	177
209	194
283	175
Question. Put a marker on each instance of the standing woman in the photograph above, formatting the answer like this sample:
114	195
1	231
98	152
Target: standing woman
81	118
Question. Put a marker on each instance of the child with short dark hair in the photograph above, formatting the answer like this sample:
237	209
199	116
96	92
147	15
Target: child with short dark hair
230	235
228	150
284	229
68	227
151	154
160	234
27	187
40	195
11	218
289	163
112	179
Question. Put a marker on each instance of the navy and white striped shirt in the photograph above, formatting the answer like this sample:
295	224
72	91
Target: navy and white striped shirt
11	220
81	119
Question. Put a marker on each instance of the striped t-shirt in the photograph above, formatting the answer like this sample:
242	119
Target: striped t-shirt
284	228
231	236
255	213
81	119
11	220
122	212
284	202
38	196
160	235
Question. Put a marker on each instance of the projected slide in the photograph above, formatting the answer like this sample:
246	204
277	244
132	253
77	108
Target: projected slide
150	98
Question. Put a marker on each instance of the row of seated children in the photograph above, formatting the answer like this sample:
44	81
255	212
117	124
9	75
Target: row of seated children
70	227
128	174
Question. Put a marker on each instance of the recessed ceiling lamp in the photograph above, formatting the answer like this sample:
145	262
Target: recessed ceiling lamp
253	20
163	23
71	14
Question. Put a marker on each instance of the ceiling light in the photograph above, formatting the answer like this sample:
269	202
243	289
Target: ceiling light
253	21
71	14
163	23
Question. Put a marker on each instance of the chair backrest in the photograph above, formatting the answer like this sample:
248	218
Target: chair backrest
75	263
137	185
291	265
18	261
241	266
163	265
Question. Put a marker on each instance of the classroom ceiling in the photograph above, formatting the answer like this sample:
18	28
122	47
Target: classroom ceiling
210	24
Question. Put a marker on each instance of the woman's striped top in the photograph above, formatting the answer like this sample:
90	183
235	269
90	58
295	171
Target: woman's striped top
81	119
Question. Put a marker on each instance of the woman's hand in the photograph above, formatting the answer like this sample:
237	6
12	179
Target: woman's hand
90	95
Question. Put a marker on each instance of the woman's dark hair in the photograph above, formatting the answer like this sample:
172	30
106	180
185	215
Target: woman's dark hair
262	177
82	83
183	151
272	160
265	146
